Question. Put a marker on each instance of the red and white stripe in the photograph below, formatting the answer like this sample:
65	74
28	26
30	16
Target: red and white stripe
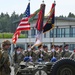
24	25
15	36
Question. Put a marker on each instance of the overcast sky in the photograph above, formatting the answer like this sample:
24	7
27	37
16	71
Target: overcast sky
63	7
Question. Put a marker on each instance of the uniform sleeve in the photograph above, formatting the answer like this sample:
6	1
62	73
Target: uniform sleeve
6	58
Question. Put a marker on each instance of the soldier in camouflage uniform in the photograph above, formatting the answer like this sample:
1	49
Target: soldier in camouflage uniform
41	53
31	54
38	52
66	51
53	52
60	52
57	51
45	53
4	61
28	51
17	58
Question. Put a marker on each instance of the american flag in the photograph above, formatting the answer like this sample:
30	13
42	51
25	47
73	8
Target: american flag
15	36
23	25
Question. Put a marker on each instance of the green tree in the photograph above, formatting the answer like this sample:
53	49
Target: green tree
71	15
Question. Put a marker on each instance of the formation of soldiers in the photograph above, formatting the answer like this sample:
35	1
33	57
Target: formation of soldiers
41	54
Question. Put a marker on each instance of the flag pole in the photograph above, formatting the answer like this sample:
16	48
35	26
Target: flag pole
29	0
43	2
53	29
53	35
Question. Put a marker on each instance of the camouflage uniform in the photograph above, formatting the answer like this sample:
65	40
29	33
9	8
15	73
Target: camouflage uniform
4	62
52	54
66	51
67	54
31	53
17	58
42	54
59	52
27	53
45	56
73	55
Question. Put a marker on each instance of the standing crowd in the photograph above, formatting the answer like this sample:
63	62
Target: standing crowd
39	55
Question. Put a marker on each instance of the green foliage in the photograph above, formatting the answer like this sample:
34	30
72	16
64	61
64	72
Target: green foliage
6	22
71	15
10	35
22	36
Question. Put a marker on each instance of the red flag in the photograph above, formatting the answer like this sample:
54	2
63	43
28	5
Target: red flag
39	24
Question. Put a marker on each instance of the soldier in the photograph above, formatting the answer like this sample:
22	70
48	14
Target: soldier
53	52
60	52
17	58
42	53
28	51
4	61
45	48
66	51
46	55
33	54
39	52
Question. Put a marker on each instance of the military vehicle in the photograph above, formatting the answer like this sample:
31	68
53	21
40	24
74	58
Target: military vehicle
63	66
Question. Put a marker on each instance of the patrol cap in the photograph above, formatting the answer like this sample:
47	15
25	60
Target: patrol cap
6	42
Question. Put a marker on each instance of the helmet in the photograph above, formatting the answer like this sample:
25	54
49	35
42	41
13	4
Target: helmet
6	42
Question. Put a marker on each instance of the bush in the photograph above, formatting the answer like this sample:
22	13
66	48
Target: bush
10	35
